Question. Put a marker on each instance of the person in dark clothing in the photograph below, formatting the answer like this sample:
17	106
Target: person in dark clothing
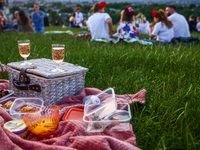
1	4
192	23
57	23
46	21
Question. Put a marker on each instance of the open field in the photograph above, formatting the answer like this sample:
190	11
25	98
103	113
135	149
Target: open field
170	73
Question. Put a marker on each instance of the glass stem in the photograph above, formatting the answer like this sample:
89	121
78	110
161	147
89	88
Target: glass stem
57	66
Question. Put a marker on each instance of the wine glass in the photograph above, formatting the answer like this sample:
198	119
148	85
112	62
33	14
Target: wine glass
58	53
24	50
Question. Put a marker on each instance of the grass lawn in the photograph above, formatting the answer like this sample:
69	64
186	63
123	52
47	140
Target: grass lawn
170	73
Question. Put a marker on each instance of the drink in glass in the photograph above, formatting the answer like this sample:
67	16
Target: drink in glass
58	53
24	50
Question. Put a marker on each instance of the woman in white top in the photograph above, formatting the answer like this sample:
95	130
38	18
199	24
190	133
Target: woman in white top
163	30
100	23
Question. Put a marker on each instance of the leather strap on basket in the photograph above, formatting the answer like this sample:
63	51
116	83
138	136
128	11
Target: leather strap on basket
23	83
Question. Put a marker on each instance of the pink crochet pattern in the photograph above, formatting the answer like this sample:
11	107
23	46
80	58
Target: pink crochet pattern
72	134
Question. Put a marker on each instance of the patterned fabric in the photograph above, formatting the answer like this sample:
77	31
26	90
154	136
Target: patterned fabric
72	134
127	30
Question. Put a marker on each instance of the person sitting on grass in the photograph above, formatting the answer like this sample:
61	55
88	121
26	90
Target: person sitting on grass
79	18
180	24
192	23
127	27
72	22
3	21
100	23
198	24
163	30
143	24
24	22
57	22
14	19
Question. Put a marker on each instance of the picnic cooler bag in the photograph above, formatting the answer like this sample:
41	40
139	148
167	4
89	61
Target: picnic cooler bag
37	80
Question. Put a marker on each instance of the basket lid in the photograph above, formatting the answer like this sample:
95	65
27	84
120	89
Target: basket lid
43	67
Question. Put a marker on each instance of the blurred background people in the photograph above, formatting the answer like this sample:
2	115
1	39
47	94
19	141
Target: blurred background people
163	30
126	27
14	20
143	24
78	17
38	19
46	21
180	24
3	21
57	23
100	23
1	4
192	23
24	22
198	24
72	21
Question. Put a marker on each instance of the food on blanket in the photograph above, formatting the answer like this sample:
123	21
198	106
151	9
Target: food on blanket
83	35
3	93
97	126
42	122
27	109
18	127
43	128
1	105
8	105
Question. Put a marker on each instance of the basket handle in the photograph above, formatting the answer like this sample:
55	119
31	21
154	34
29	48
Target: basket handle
19	86
23	82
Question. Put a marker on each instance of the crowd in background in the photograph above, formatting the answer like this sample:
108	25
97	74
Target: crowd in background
22	22
167	24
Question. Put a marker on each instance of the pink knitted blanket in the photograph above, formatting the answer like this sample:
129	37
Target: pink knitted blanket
72	134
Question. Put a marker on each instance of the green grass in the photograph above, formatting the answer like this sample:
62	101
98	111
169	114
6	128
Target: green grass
170	73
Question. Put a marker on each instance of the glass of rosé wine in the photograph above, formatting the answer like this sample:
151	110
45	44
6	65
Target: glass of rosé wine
24	50
58	53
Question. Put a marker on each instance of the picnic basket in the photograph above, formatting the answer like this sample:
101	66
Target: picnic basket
38	80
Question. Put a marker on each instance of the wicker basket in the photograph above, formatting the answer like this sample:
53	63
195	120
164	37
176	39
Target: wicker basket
54	86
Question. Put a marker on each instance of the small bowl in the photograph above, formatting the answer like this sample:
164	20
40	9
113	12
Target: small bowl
42	122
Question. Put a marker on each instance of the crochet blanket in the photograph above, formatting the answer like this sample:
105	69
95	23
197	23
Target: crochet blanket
71	134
